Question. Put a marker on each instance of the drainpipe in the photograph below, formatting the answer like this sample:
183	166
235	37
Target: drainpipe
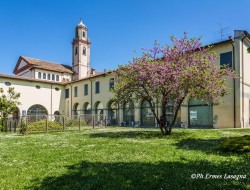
51	100
234	91
70	99
242	96
91	96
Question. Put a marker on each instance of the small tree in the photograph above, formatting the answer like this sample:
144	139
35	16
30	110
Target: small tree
171	74
9	101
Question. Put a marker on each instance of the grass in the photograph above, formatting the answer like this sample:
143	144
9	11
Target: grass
121	158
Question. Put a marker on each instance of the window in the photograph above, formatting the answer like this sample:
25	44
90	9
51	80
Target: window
83	34
44	75
226	59
84	50
53	77
67	93
200	113
75	91
57	89
111	84
86	90
76	51
39	75
48	76
128	112
37	110
147	117
76	33
23	112
38	86
97	87
57	77
7	83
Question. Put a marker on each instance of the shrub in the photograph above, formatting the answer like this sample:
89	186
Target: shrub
236	144
41	126
75	123
23	128
1	124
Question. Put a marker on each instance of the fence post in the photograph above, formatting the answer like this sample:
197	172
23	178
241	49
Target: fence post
105	122
46	124
15	126
6	125
10	125
93	121
63	123
79	122
26	120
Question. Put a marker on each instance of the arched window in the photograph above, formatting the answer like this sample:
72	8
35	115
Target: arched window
53	77
37	110
128	112
112	112
57	77
83	34
76	33
84	50
75	109
56	113
48	76
86	108
39	75
44	75
76	51
98	108
147	117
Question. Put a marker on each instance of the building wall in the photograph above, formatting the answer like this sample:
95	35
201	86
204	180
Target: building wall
103	97
46	96
224	111
246	86
54	100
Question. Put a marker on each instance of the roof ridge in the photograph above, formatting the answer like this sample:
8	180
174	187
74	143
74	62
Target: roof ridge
42	60
48	65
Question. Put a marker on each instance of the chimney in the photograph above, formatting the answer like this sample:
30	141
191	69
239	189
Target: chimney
92	71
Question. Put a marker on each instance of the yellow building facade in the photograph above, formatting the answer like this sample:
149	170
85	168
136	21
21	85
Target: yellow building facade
51	88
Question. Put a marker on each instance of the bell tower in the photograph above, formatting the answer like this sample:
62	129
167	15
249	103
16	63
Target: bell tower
80	52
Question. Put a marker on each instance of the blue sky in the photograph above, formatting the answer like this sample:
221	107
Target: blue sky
44	29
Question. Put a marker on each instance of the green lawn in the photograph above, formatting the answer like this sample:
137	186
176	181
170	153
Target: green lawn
121	158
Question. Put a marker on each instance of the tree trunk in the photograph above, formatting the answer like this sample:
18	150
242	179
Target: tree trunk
163	121
169	130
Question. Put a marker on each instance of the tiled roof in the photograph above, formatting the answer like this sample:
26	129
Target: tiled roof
51	66
97	74
30	79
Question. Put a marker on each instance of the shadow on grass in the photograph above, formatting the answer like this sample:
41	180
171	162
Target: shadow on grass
136	175
234	145
206	145
140	135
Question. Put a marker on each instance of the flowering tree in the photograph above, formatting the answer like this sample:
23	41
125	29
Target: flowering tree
9	101
171	74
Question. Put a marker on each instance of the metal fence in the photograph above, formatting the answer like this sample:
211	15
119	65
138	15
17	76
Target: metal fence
49	123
